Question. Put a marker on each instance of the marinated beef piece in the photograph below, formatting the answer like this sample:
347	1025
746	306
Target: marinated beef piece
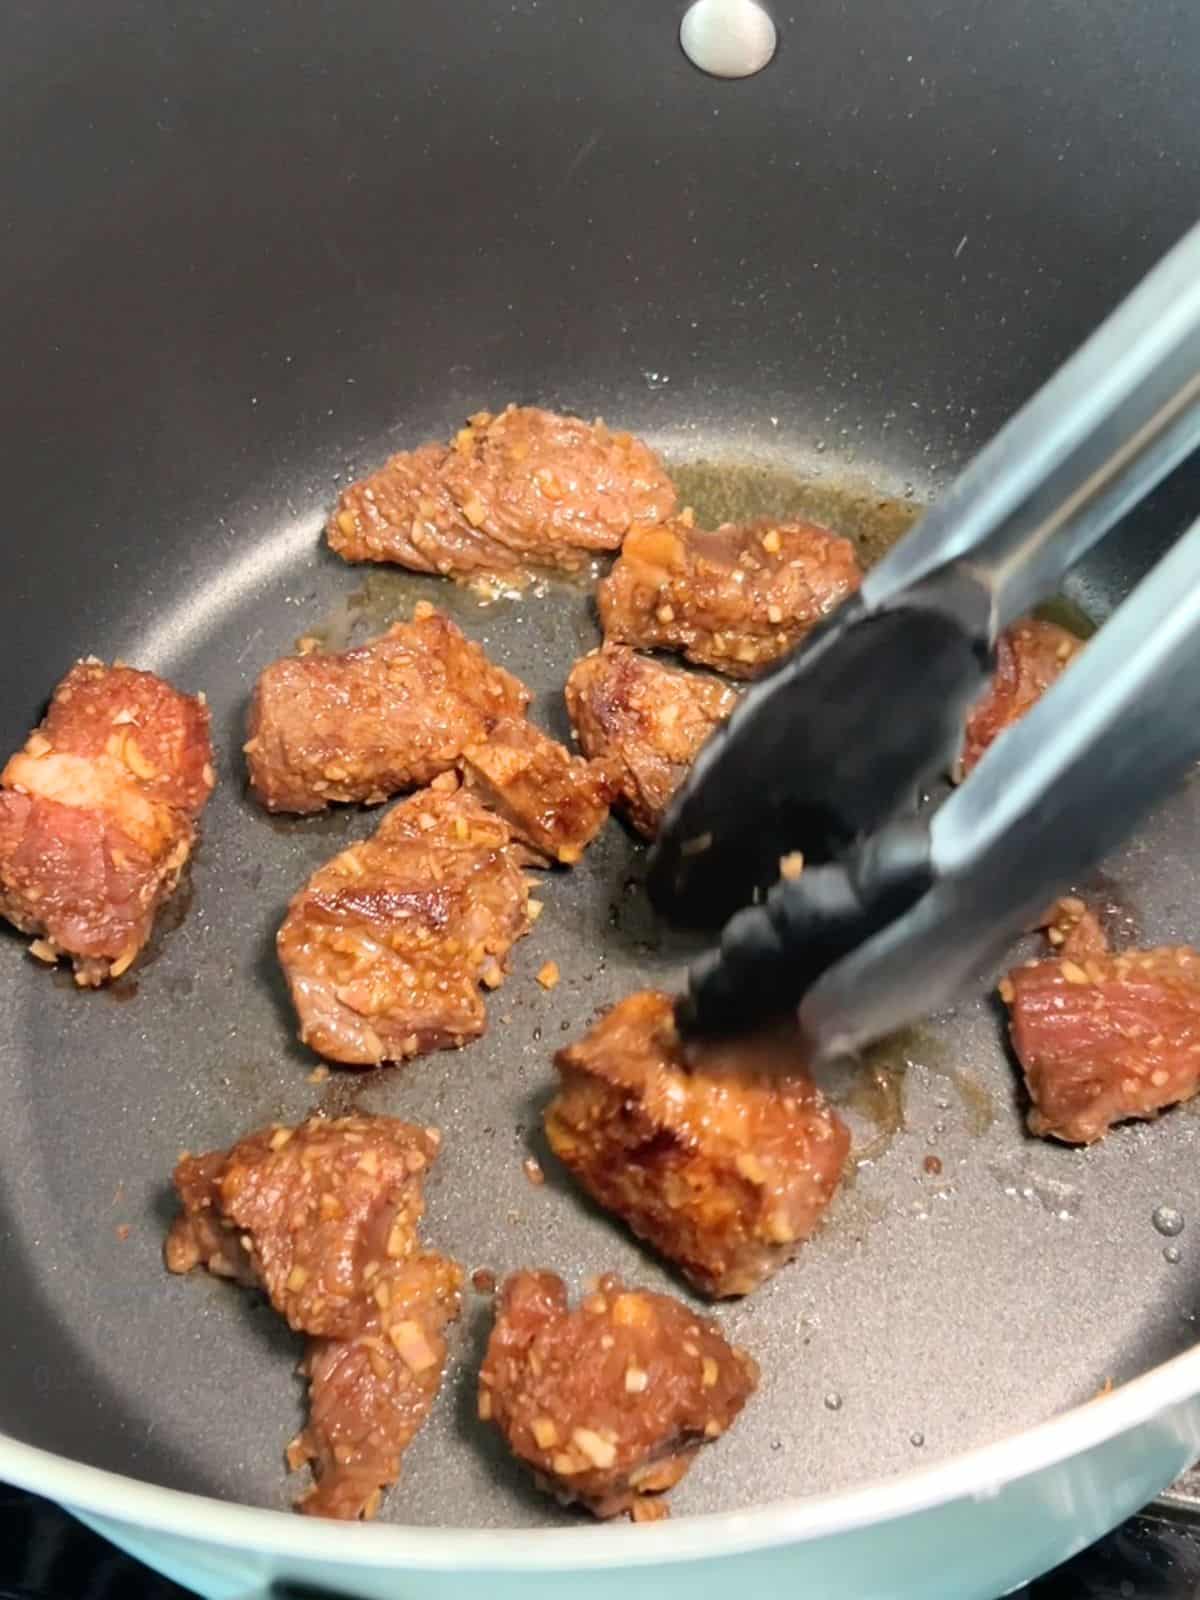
389	715
324	1218
304	1212
722	1155
403	513
98	815
1029	658
554	803
386	945
645	722
608	1403
1102	1037
736	599
524	488
369	1396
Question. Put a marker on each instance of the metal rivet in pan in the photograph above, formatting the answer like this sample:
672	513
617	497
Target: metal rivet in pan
1172	1255
833	1401
1167	1220
728	38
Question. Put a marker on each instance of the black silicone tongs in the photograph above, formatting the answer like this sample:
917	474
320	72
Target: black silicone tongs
827	754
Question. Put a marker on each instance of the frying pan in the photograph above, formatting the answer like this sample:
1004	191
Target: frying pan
247	252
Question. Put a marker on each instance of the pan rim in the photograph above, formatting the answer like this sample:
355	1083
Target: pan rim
980	1474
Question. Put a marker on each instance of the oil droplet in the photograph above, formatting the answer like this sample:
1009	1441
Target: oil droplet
916	1439
1172	1255
1168	1221
833	1401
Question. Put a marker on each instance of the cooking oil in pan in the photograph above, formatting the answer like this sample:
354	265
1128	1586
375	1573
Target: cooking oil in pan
978	1103
874	1091
1067	614
877	1095
385	595
737	491
731	491
718	491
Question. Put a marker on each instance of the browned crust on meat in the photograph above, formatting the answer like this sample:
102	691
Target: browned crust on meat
304	1212
645	723
519	489
1030	656
386	716
324	1217
369	1396
736	599
554	802
98	815
1102	1038
610	1402
723	1156
385	946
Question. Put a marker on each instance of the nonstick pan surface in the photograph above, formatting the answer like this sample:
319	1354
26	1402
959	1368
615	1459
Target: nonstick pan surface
233	283
937	1310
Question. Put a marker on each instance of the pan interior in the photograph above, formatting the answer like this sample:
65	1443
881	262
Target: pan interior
969	1281
256	249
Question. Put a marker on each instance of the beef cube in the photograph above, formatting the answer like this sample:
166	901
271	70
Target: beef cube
1029	657
386	945
1103	1037
644	722
737	599
611	1402
554	803
98	815
368	1396
305	1212
520	489
324	1218
722	1155
389	715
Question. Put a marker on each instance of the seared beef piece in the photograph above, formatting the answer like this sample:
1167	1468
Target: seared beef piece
1103	1037
98	815
368	1396
525	488
736	599
324	1218
385	946
554	803
304	1212
610	1402
645	723
723	1155
1029	657
403	513
389	715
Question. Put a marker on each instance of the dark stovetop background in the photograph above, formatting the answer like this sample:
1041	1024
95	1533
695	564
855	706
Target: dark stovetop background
45	1555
